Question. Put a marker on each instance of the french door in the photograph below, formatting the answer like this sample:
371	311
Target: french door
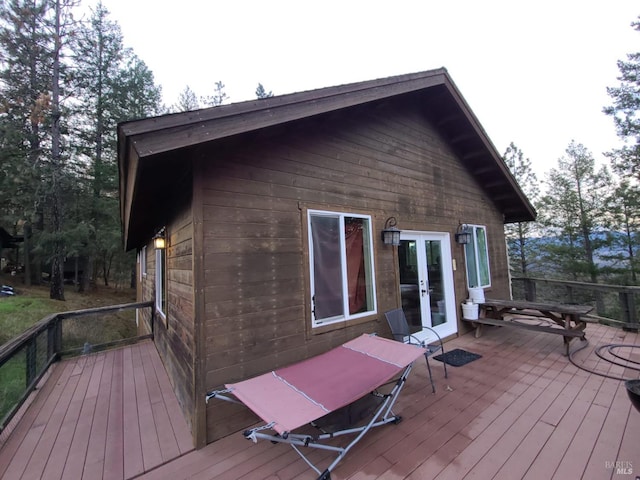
426	282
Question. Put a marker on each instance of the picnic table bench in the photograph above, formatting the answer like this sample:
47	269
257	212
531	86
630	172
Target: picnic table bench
563	319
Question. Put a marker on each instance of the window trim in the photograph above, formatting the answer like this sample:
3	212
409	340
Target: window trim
474	243
142	259
160	285
345	317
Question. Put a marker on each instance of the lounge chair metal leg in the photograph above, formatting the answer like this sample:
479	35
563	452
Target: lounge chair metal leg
433	387
444	364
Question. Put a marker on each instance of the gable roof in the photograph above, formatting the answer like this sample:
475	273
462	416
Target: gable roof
152	141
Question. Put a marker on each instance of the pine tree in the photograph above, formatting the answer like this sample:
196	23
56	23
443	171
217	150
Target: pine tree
262	93
98	57
522	248
112	85
623	230
137	95
56	291
572	212
218	98
187	101
626	114
26	81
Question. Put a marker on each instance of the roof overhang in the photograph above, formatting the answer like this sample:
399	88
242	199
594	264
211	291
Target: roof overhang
147	147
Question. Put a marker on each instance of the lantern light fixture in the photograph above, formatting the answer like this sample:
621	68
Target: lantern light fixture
159	240
463	235
391	234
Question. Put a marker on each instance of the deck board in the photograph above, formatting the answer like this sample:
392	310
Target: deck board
151	447
57	459
114	439
94	461
176	419
521	411
35	428
132	461
74	464
84	421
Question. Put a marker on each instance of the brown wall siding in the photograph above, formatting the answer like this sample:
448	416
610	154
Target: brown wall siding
174	336
175	340
255	195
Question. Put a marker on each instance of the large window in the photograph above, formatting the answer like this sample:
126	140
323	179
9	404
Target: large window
341	262
477	258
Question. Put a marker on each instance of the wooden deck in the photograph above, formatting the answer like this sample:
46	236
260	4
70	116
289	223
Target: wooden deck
522	411
106	415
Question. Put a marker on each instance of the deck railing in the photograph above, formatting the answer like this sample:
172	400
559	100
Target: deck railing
25	359
614	305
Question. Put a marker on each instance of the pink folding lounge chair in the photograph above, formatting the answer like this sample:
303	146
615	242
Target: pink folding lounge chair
300	394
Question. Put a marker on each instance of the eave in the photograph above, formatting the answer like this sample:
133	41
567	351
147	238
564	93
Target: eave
145	145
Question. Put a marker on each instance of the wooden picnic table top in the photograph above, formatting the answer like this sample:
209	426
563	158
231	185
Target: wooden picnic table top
560	308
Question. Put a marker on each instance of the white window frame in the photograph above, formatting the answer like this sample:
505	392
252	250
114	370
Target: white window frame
161	261
473	246
369	267
142	260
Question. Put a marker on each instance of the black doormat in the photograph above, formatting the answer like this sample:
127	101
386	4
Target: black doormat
457	357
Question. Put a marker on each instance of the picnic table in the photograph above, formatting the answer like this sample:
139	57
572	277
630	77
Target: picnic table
563	319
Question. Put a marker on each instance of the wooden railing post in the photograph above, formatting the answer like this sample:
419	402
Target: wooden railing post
54	338
633	317
51	339
600	308
570	294
628	308
530	289
31	360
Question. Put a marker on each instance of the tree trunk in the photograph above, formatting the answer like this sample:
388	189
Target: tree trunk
56	291
27	254
57	275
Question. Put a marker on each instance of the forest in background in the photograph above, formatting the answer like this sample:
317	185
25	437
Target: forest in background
66	82
588	222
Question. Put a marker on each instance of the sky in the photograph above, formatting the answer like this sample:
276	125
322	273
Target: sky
534	73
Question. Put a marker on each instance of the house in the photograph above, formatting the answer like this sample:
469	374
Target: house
10	263
272	212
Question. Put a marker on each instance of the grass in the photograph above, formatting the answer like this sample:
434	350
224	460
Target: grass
31	304
13	381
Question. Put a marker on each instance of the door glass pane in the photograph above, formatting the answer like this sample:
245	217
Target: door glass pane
327	269
409	284
437	304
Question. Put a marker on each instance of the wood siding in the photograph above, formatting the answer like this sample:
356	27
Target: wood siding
379	160
174	335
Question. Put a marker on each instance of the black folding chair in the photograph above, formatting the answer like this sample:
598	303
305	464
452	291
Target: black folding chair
400	331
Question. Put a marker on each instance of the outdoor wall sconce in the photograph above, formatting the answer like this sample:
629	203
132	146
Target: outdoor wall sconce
159	241
390	234
463	235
